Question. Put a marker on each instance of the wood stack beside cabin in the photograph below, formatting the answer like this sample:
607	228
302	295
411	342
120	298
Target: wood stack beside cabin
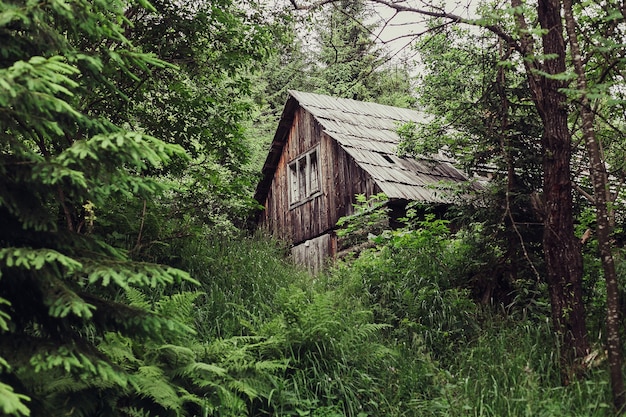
325	151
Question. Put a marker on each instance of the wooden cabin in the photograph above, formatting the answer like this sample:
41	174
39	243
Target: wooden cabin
327	150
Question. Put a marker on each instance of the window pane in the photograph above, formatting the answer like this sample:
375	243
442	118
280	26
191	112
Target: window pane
293	180
314	173
302	178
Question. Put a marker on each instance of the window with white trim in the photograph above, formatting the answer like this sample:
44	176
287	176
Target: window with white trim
304	177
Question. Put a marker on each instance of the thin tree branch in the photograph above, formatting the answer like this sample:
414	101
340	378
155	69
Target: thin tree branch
143	219
440	14
66	211
584	193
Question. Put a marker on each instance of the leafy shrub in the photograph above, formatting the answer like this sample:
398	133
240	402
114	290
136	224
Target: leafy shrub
371	217
411	281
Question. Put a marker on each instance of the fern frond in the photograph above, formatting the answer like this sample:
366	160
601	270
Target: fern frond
241	386
134	321
65	384
176	356
189	398
230	401
12	403
137	298
150	382
136	412
119	349
271	366
203	371
179	306
221	347
367	330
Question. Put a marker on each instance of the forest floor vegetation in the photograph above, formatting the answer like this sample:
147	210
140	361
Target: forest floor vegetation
373	337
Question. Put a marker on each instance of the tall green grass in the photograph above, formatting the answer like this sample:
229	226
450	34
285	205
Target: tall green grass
240	277
511	370
389	334
472	360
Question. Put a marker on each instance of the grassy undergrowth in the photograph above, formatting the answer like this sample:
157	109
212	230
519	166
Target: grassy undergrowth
479	360
511	370
387	334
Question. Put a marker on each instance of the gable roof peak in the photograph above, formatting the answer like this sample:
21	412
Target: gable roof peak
368	132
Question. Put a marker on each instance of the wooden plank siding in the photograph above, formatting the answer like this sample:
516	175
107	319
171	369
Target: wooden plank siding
341	179
314	253
348	180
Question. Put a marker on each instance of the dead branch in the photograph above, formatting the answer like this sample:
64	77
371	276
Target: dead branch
584	193
437	13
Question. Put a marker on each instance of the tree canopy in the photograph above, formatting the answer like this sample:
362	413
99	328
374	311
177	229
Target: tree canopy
107	107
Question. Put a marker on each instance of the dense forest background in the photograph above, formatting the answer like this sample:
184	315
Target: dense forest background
133	283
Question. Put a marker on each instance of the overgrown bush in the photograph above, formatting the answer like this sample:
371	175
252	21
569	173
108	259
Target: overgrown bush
412	280
277	342
272	342
422	280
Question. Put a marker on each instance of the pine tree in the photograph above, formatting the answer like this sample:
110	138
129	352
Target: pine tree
351	64
62	162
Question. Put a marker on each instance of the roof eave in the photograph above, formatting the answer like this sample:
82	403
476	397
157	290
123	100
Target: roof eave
276	149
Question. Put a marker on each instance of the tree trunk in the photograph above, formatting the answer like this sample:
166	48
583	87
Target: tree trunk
561	247
600	192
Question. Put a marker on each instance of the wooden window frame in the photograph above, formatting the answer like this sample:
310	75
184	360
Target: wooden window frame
304	177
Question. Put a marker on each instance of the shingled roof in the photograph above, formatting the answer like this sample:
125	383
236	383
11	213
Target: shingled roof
368	133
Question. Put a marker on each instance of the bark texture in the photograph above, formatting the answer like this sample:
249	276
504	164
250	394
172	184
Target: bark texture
601	197
561	247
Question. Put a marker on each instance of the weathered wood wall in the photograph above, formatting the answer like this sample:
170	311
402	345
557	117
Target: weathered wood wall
314	253
341	179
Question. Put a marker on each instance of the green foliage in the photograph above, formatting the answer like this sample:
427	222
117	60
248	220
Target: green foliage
414	281
239	277
497	361
273	344
348	55
483	115
510	370
484	118
350	64
104	221
371	217
336	365
12	404
204	103
315	348
77	336
222	377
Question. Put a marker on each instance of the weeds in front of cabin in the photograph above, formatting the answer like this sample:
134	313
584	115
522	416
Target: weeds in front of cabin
394	332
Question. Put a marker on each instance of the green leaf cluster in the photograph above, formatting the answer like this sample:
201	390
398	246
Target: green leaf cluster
73	340
203	104
370	218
